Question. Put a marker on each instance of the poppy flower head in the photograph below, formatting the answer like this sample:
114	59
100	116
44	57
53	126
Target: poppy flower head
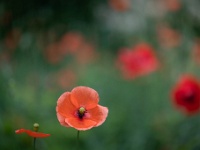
12	39
52	54
34	133
120	5
196	51
79	109
65	78
86	53
186	95
139	60
71	42
167	36
172	5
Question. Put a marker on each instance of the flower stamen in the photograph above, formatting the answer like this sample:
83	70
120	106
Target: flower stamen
81	112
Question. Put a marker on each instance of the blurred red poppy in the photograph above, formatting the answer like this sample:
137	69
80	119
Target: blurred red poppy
186	94
168	37
65	78
6	18
120	5
172	5
196	51
70	42
52	53
86	53
32	133
79	109
12	39
140	60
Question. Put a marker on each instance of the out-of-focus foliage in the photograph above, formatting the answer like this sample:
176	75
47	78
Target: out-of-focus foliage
48	47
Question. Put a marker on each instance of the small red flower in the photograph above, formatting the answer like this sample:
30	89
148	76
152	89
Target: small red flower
12	39
172	5
52	53
186	94
79	109
167	36
138	61
32	133
120	5
66	78
196	51
86	53
71	42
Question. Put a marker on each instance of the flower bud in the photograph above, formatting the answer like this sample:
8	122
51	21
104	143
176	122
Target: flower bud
36	127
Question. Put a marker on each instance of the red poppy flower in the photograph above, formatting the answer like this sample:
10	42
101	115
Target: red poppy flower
167	36
172	5
186	95
86	53
70	42
52	53
12	39
65	78
196	51
79	109
120	5
32	133
138	61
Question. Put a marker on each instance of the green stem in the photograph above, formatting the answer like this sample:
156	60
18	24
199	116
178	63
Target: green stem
78	132
34	141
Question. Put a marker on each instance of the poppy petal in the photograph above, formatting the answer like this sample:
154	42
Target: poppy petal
61	119
78	124
32	133
84	97
98	114
64	106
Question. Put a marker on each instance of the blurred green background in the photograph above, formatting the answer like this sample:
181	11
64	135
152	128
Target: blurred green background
36	68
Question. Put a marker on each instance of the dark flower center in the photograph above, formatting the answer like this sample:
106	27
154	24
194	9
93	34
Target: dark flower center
81	112
189	97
